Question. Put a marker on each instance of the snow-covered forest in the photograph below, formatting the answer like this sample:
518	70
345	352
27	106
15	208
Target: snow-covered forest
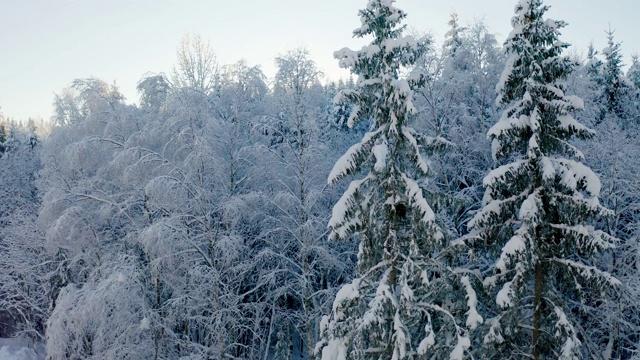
475	200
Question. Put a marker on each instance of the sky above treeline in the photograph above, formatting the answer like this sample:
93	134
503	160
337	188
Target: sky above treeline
45	44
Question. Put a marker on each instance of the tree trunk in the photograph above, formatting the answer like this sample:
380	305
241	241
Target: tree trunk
537	300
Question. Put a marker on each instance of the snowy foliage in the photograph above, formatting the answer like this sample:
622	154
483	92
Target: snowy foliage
395	307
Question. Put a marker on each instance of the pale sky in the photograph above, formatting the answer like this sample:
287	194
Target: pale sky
46	44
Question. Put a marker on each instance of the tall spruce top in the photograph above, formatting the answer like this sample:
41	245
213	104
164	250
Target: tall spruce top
391	150
537	116
377	64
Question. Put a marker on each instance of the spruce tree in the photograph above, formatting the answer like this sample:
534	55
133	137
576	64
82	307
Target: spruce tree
613	84
539	205
634	72
404	303
453	37
633	75
594	65
3	137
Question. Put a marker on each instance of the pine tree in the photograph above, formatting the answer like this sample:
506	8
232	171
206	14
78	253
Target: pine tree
404	303
539	204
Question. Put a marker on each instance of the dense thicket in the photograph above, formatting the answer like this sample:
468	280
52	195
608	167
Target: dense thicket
193	225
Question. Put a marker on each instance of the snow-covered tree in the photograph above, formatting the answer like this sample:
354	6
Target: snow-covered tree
153	89
457	102
103	319
297	211
633	74
66	109
614	86
402	303
453	37
540	203
197	65
614	322
23	286
594	65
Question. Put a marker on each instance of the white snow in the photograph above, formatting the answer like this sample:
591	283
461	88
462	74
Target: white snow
574	171
499	173
553	24
576	102
370	50
504	296
400	349
496	147
504	77
473	317
353	116
588	236
403	94
341	95
380	152
570	348
522	7
346	57
529	208
346	292
494	335
534	119
341	208
514	246
533	146
492	207
347	162
19	349
508	123
378	304
568	122
393	45
144	323
429	340
461	346
588	272
415	195
548	170
422	163
555	90
336	349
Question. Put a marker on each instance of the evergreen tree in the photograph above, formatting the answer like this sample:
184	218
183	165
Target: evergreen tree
539	204
453	37
3	138
594	65
404	302
634	72
613	84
